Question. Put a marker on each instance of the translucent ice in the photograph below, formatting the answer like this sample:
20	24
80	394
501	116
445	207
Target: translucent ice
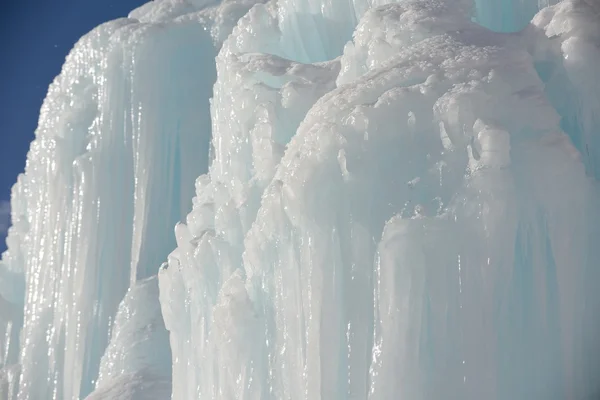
508	15
122	136
427	233
566	64
388	201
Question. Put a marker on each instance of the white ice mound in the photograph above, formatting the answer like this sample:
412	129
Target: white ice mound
428	230
138	357
136	386
139	340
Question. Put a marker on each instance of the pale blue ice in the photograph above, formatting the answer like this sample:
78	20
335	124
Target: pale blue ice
313	200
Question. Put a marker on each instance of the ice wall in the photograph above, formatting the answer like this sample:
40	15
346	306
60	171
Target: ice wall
122	136
427	233
259	100
389	201
566	64
508	15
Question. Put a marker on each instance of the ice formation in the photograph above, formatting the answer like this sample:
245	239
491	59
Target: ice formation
371	200
137	362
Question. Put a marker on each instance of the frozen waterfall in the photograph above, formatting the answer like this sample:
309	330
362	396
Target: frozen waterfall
370	201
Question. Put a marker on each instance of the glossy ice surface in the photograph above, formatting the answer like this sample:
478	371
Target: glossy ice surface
371	201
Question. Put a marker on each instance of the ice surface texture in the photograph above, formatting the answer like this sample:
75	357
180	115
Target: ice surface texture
395	203
428	233
123	134
137	362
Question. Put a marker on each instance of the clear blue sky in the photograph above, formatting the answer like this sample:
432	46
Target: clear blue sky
35	38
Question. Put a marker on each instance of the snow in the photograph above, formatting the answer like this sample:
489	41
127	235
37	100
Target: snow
357	200
137	361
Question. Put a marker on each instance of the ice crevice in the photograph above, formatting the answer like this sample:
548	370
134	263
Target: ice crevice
565	64
389	200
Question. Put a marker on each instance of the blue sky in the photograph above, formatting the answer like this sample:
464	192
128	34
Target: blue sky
35	38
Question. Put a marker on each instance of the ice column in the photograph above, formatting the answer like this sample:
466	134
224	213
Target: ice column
123	134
